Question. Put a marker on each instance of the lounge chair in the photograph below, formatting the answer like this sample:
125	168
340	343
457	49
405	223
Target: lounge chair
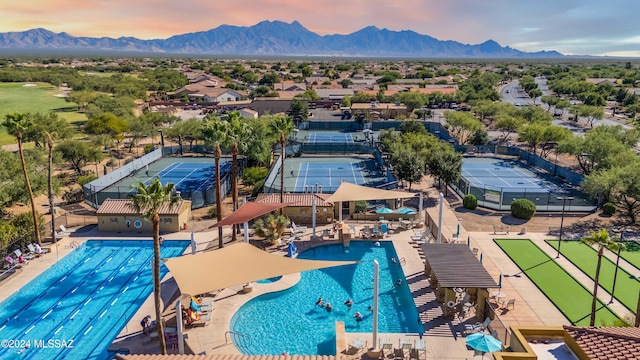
419	347
356	345
297	230
386	347
405	346
510	302
398	354
19	255
202	320
64	230
13	263
479	327
33	249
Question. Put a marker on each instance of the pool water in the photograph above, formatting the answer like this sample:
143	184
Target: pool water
269	280
83	301
289	321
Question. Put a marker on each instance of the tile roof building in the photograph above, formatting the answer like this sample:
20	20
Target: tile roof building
604	342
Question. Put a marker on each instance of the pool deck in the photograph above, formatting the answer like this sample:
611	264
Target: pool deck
444	338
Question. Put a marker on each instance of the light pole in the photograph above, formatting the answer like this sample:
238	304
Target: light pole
615	274
564	200
161	137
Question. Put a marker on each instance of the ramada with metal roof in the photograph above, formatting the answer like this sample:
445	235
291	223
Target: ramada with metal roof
455	266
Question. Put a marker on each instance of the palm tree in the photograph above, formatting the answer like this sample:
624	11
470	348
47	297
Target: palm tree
147	201
211	134
17	125
283	127
234	133
602	240
47	128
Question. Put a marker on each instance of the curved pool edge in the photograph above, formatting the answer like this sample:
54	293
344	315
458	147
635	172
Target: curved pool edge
230	300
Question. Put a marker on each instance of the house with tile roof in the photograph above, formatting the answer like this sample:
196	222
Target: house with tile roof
572	342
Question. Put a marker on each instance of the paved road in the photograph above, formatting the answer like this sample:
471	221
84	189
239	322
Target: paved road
512	93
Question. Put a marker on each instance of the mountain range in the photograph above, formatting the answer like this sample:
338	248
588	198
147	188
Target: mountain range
272	38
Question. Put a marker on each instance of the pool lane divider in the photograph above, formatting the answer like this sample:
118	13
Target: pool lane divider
27	305
106	308
83	280
80	306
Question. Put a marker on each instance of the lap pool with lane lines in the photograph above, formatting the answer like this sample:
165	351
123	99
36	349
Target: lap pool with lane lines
82	301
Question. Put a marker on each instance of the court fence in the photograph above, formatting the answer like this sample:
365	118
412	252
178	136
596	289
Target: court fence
92	189
97	191
298	148
500	198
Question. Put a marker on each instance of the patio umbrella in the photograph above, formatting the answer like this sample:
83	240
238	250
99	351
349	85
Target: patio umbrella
500	282
384	210
483	342
292	250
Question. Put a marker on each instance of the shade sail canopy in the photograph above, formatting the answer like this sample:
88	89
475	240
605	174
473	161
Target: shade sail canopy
233	265
454	265
248	211
353	192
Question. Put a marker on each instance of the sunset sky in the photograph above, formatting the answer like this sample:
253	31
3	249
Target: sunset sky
593	27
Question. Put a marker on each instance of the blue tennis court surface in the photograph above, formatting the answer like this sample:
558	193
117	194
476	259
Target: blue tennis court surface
191	176
502	174
318	137
327	174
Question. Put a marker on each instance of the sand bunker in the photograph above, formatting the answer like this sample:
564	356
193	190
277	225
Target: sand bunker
30	85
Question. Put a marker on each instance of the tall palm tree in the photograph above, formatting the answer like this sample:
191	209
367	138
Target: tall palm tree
234	134
283	127
17	125
48	128
211	134
601	240
147	201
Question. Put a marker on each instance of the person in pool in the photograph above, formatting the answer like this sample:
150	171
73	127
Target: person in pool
348	304
328	307
320	302
358	316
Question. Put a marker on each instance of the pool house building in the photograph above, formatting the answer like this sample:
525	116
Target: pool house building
117	215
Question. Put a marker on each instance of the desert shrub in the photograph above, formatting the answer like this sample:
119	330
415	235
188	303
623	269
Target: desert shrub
609	208
470	202
212	212
523	209
360	206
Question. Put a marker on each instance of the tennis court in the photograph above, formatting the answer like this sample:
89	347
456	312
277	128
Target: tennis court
329	175
319	137
502	173
496	183
301	174
194	178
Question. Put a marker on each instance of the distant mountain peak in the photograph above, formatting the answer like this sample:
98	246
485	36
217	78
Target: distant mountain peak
273	38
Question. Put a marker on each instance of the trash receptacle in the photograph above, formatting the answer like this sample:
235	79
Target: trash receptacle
523	230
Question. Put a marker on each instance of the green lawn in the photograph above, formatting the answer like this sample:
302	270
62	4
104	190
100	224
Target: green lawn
585	258
33	99
631	253
566	293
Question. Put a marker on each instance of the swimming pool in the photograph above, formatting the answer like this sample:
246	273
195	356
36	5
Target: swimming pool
80	304
289	321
